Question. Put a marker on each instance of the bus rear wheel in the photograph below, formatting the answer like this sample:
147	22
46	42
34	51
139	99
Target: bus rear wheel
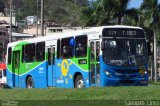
79	82
29	82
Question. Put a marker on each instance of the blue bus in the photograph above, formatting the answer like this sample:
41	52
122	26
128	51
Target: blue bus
99	56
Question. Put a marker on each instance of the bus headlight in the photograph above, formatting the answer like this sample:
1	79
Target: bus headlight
108	73
145	72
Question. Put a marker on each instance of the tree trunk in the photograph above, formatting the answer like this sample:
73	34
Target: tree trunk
119	19
152	66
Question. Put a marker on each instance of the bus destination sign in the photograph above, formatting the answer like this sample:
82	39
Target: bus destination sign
123	32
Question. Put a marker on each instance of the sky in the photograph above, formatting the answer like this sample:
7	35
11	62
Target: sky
133	3
136	3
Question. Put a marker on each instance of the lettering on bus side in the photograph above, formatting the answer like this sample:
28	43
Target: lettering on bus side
82	61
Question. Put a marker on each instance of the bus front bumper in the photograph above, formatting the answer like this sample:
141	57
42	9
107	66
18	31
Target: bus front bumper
125	82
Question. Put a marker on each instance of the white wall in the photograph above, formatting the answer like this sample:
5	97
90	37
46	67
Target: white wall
7	19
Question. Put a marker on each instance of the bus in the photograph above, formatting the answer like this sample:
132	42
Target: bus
99	56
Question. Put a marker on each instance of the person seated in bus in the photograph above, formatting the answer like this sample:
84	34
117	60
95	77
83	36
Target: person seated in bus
79	49
71	46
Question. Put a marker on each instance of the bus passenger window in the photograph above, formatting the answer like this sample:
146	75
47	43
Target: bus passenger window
92	51
29	53
9	55
97	50
40	51
23	52
53	55
81	46
58	49
67	45
49	56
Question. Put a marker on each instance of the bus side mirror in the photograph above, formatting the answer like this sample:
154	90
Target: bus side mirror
149	49
102	45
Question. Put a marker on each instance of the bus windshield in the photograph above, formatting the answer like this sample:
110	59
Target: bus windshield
125	52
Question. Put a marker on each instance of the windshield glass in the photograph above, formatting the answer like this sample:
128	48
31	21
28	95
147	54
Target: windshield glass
125	52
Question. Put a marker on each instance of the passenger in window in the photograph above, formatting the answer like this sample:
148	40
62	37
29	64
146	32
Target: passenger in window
72	45
64	49
80	47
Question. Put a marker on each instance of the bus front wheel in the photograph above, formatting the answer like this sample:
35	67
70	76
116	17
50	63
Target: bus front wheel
29	82
79	82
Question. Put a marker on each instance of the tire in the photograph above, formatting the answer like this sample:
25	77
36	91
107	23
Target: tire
29	83
79	82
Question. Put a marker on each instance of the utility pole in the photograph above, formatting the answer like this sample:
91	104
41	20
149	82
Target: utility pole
42	17
155	56
37	15
10	31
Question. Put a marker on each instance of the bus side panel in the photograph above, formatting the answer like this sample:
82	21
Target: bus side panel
105	81
65	72
9	78
38	75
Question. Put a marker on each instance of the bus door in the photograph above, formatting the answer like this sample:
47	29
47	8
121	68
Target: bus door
51	66
94	62
16	66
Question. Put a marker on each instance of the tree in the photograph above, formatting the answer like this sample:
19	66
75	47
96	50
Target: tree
151	10
121	10
79	2
105	12
88	15
2	6
99	13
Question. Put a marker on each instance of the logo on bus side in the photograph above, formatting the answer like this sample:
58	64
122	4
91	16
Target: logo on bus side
65	65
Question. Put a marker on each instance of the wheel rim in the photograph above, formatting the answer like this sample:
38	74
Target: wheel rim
29	84
80	83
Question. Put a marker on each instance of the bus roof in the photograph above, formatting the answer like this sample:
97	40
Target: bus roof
55	36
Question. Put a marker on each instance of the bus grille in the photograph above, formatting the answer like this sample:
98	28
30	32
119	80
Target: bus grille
127	81
126	71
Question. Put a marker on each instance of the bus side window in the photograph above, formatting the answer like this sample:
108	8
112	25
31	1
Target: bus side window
81	46
97	50
29	53
40	51
23	54
9	55
49	56
67	47
58	49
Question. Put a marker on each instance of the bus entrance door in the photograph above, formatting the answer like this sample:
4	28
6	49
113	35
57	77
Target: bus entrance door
94	63
51	66
15	67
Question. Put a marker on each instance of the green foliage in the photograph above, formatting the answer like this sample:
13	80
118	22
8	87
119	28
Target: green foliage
151	11
101	12
151	16
88	15
65	12
106	12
